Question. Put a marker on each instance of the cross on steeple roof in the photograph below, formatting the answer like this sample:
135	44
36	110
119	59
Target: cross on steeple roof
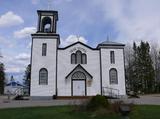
50	4
78	38
108	38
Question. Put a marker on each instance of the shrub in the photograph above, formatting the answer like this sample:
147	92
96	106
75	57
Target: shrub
97	102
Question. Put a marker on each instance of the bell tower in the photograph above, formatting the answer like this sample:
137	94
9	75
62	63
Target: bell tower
44	55
47	21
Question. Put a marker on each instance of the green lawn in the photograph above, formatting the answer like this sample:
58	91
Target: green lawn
146	112
65	112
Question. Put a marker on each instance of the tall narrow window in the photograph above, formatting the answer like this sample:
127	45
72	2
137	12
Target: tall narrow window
44	49
73	58
79	57
84	59
112	57
113	76
43	76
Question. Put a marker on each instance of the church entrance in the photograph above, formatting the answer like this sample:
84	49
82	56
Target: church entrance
78	86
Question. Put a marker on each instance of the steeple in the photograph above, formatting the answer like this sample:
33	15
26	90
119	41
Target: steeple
44	54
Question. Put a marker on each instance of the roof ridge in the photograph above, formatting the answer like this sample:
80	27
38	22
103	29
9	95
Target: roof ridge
110	43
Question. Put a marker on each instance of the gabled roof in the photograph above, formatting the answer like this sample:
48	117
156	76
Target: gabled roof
110	43
78	42
79	66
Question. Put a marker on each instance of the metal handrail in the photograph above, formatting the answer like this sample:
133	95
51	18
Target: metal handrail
20	91
113	92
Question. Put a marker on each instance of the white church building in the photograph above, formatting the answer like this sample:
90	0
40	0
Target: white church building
75	70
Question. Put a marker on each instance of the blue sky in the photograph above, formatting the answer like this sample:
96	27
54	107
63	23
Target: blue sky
123	21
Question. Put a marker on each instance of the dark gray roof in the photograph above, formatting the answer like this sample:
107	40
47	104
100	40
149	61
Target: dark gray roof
14	83
111	43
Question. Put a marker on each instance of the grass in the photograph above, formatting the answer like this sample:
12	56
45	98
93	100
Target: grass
59	112
146	112
66	112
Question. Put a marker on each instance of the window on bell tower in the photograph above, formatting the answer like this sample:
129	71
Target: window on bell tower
112	57
44	49
46	24
47	21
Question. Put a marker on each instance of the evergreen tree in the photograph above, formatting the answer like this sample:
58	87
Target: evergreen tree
157	71
140	70
2	78
135	69
145	68
27	75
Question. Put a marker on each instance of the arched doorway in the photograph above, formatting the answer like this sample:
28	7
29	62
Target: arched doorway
78	84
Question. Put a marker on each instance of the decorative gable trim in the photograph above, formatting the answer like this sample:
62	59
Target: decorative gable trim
80	67
78	43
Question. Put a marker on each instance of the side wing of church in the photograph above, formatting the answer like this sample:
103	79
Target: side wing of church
75	70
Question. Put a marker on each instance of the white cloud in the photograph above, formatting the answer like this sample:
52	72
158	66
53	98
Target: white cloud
25	32
134	20
72	39
5	42
15	69
10	19
10	64
16	64
29	45
23	56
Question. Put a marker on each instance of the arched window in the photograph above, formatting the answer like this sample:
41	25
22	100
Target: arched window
79	57
43	76
113	76
73	58
46	24
84	59
78	75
